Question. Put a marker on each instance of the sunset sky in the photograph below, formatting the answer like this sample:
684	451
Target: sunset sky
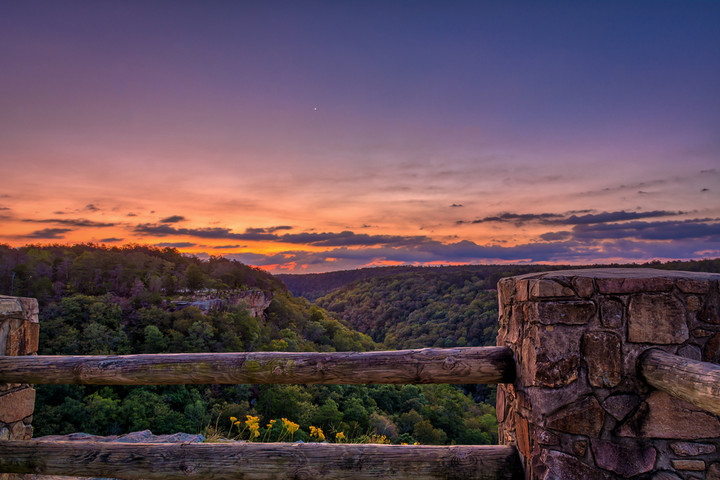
305	136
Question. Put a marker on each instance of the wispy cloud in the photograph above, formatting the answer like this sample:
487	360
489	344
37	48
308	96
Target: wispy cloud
77	222
517	218
325	239
671	230
49	233
607	217
570	218
175	244
268	229
173	219
110	240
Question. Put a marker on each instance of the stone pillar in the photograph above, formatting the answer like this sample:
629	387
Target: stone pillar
578	409
19	331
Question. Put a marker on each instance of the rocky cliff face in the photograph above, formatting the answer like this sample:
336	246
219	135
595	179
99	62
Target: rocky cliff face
257	301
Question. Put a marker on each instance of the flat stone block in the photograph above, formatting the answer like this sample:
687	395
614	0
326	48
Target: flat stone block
579	448
10	305
20	431
627	458
691	449
522	434
19	307
693	303
709	314
612	313
694	465
602	353
521	290
543	402
17	405
542	288
545	437
634	285
23	338
566	467
690	351
702	333
577	312
663	416
584	286
658	319
689	285
665	476
550	356
711	352
619	406
713	473
585	417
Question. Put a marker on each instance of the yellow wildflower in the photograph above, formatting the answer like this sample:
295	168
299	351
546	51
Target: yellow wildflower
339	437
317	433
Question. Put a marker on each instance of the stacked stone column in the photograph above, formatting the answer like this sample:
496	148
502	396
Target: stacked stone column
19	331
578	408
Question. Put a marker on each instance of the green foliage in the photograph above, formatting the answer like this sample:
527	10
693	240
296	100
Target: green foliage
428	308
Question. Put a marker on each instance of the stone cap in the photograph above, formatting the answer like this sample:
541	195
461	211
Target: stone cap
646	273
583	282
19	307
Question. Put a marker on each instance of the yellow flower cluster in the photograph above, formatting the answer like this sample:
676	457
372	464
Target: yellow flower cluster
339	437
291	427
253	424
317	433
379	439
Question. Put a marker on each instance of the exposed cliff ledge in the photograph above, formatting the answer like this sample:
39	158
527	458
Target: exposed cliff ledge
257	301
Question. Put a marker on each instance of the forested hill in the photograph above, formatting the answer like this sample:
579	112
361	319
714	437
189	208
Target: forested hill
316	285
419	309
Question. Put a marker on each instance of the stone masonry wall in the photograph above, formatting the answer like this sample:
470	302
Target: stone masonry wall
19	331
577	409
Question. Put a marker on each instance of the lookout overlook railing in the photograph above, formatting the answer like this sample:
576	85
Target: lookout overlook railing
602	374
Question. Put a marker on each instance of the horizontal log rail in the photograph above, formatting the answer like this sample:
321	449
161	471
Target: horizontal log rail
261	461
691	380
462	365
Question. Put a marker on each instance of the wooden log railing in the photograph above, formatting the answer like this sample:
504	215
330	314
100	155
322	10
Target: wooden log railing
691	380
261	461
462	365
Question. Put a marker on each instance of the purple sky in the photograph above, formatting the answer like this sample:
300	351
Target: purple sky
314	136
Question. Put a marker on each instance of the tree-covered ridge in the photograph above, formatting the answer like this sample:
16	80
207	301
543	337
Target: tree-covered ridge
315	285
97	300
52	271
430	307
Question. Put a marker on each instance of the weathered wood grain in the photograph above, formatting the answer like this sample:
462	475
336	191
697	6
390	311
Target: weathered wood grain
691	380
259	461
428	365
